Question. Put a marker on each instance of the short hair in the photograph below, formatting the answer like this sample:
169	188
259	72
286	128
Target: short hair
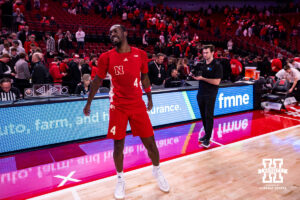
13	49
286	67
160	54
22	55
5	80
86	77
210	47
38	55
16	42
123	28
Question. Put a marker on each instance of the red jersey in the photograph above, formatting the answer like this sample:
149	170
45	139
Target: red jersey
125	70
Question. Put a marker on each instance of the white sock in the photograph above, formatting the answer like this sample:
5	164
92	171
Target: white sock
155	168
120	175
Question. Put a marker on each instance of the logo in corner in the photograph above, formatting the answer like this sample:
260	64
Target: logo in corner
272	171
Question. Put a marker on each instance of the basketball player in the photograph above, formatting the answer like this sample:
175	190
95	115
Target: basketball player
128	68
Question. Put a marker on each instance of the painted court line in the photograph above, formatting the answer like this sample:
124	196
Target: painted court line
288	118
217	143
49	195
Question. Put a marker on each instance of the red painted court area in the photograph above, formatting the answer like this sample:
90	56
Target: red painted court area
39	172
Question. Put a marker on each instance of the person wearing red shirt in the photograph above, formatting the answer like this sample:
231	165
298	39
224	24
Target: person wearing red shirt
28	43
94	69
276	65
63	66
128	69
55	72
236	67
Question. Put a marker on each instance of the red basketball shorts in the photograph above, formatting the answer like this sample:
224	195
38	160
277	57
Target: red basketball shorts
139	122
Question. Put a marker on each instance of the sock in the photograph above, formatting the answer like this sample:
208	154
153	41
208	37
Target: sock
155	168
120	175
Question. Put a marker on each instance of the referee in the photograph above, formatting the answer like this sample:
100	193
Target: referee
208	89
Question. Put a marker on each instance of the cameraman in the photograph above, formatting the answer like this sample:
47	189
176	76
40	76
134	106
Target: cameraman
208	89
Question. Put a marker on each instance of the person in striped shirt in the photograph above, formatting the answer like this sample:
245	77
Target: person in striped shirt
7	92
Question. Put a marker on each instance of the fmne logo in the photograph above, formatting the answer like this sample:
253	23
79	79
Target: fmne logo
232	101
119	70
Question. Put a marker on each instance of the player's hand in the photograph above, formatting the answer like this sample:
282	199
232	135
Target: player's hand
290	90
87	110
198	78
150	105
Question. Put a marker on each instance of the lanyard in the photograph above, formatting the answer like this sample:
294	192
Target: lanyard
158	68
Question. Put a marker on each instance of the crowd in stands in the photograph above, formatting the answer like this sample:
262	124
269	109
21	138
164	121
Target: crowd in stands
177	48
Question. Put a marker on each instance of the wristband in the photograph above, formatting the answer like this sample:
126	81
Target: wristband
147	90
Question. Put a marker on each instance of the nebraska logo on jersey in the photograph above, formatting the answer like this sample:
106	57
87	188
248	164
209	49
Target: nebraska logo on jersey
119	70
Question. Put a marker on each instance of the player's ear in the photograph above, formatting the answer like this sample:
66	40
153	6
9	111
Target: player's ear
125	33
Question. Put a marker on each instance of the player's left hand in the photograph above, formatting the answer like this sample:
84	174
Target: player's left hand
150	105
290	90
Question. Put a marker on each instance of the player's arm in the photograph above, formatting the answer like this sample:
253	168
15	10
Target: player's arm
96	83
147	88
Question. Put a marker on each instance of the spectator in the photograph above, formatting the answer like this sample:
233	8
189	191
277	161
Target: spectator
276	65
80	35
17	47
63	66
182	68
294	64
5	70
73	76
14	57
124	16
28	43
24	34
146	38
40	74
55	72
83	88
94	69
50	45
22	73
157	73
6	49
18	18
230	45
7	92
15	38
85	68
174	80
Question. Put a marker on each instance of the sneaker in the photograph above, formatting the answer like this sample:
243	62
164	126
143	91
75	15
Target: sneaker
202	139
206	143
161	181
120	189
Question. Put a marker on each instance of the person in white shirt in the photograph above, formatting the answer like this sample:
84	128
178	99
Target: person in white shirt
294	64
124	16
162	38
80	35
293	76
17	46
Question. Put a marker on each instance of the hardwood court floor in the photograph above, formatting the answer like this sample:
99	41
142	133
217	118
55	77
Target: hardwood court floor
227	172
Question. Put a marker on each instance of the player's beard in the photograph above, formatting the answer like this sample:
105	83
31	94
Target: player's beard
117	42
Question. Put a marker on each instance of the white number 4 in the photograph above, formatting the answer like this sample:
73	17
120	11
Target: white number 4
113	130
136	84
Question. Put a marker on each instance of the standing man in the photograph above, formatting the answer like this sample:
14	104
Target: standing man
157	71
50	45
128	68
208	90
80	35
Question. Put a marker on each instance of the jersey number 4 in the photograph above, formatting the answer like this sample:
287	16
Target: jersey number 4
113	130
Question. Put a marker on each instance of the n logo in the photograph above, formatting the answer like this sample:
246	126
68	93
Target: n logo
272	171
119	70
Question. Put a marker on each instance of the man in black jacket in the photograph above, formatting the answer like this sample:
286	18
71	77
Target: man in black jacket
157	72
40	74
73	76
